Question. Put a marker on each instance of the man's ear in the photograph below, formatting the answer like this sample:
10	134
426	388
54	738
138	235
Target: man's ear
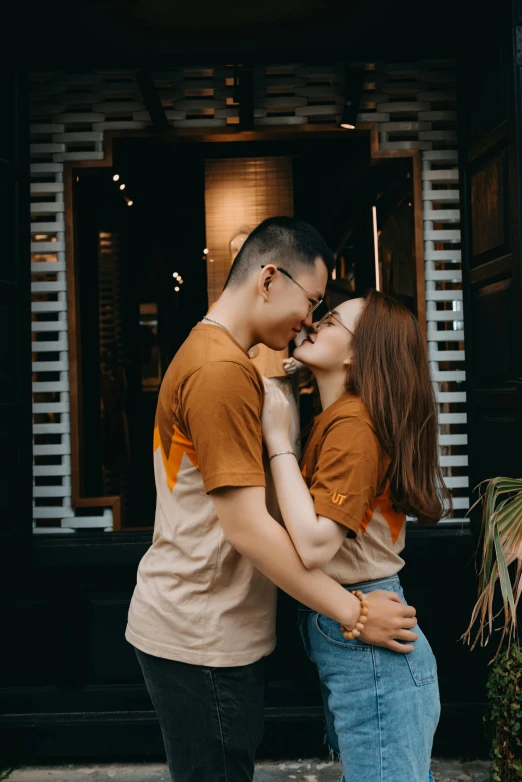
265	278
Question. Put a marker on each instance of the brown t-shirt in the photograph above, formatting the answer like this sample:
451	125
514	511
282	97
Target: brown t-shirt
345	467
197	600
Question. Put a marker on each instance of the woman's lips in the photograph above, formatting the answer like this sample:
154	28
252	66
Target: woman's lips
308	339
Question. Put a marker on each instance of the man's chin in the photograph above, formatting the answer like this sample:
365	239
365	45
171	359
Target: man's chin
280	345
276	341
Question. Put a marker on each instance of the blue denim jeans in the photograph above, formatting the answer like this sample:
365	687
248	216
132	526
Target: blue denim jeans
381	708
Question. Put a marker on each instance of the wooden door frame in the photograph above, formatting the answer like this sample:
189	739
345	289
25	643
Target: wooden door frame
189	135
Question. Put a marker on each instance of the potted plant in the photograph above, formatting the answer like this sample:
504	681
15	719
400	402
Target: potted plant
501	554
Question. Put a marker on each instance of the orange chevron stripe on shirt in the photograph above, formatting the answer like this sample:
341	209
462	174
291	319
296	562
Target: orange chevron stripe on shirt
179	445
394	519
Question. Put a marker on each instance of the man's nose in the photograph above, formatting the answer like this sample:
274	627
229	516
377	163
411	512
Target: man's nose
308	321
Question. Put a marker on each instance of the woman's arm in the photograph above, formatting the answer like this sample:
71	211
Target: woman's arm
316	538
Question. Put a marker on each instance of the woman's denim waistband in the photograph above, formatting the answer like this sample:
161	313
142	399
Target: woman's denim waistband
375	584
378	583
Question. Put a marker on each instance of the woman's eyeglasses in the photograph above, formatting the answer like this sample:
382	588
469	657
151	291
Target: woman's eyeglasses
326	320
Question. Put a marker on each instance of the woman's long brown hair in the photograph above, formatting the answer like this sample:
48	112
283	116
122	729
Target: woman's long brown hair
390	374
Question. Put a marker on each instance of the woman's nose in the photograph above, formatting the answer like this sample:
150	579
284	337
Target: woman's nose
315	326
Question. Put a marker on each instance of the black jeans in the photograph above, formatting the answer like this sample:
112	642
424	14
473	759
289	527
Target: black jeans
211	718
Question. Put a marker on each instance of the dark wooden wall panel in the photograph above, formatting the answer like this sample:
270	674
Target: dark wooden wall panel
110	657
490	163
485	56
492	317
33	655
8	260
489	218
15	318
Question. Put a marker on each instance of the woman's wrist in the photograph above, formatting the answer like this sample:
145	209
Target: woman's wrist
278	445
354	632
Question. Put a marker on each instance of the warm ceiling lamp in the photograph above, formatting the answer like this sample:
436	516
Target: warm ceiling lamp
122	186
353	87
115	177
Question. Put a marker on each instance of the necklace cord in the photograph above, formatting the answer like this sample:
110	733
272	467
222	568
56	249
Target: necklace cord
216	323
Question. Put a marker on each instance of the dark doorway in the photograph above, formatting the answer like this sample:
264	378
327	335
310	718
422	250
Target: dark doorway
129	244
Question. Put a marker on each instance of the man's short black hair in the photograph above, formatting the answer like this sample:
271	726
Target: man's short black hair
283	241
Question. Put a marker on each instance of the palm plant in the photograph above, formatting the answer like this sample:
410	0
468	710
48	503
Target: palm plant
501	538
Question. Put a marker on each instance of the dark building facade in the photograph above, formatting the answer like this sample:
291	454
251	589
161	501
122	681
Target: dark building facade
91	317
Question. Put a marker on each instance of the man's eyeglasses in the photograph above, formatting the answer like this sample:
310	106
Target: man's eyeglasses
326	320
313	302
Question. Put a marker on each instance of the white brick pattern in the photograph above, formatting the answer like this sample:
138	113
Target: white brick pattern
421	106
414	106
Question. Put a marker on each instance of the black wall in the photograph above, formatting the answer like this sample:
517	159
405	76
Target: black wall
71	687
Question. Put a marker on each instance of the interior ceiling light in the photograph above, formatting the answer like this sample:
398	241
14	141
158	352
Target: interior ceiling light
353	87
122	186
130	203
206	250
176	289
115	177
175	274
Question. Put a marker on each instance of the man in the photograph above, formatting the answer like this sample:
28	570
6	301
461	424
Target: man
203	612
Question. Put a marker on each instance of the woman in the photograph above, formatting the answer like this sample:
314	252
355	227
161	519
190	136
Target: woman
370	460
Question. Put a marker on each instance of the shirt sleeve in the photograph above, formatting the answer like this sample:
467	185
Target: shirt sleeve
222	406
345	480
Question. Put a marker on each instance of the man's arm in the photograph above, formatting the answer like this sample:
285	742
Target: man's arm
251	530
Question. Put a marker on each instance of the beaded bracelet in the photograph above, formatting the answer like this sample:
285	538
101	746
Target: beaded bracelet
363	618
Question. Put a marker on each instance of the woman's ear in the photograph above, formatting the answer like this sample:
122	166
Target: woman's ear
265	278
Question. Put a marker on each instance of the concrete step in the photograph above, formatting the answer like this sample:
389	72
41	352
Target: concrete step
282	771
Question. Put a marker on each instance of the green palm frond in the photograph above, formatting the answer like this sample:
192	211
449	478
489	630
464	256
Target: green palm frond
501	539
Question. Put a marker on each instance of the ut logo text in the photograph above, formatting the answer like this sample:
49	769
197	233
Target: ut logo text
337	498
